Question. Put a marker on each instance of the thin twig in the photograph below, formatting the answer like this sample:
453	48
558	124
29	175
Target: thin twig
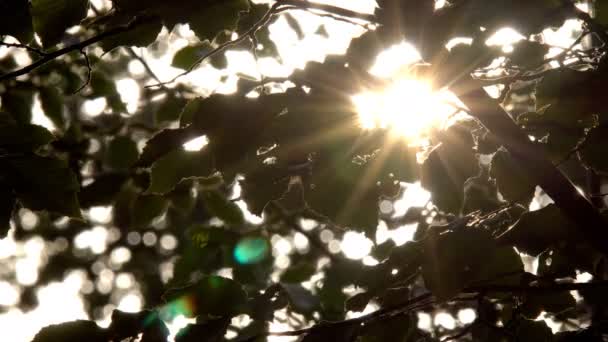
143	62
74	47
89	70
24	46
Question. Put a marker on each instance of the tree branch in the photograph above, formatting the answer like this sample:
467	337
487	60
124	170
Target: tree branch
533	159
47	57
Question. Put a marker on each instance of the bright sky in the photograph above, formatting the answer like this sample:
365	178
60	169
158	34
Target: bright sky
61	301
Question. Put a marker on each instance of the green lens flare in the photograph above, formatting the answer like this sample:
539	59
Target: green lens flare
183	306
250	250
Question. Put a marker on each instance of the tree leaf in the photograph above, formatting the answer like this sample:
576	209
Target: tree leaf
18	102
216	17
210	331
187	56
533	331
142	35
169	170
51	101
7	205
223	208
538	230
24	137
102	191
298	273
53	17
593	150
170	109
211	295
72	332
453	259
513	182
146	208
15	20
448	167
44	183
164	142
122	153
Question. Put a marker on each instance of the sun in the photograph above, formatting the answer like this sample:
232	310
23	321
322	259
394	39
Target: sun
407	107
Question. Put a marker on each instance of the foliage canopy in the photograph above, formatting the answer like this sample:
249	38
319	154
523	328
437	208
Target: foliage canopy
300	159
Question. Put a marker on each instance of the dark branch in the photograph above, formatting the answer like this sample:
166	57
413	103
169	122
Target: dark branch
47	57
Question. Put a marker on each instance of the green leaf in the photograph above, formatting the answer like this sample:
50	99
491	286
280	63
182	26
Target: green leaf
447	168
7	205
169	170
24	137
211	295
51	101
146	208
102	85
53	17
210	331
215	17
223	208
298	273
528	54
533	331
72	332
102	191
15	20
18	102
187	56
44	183
593	151
358	302
164	142
121	153
538	230
503	266
453	259
142	35
600	9
558	303
556	263
513	182
263	185
170	109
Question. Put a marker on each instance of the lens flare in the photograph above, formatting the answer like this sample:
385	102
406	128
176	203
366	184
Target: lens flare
410	108
251	250
184	306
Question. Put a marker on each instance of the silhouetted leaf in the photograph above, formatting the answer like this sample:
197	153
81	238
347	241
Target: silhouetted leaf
170	109
533	331
146	208
142	35
223	208
52	105
72	332
163	142
7	205
592	152
538	230
298	273
211	331
453	259
15	20
43	183
169	170
514	184
53	17
121	153
211	295
24	137
102	191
